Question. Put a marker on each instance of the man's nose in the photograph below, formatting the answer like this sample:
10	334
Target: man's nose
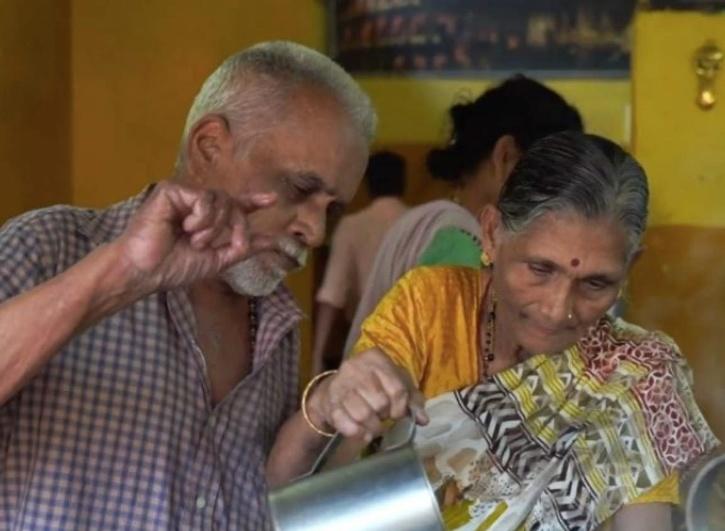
310	224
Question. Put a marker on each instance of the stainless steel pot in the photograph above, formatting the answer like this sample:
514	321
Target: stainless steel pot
385	491
703	491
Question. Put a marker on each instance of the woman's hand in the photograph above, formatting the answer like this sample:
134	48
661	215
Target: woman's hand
367	390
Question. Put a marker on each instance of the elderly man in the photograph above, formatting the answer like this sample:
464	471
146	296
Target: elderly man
149	352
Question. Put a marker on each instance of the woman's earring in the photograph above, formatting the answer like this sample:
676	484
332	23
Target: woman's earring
486	260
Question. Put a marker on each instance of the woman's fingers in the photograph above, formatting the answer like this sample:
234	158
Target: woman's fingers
417	408
376	397
396	390
352	404
360	411
343	423
368	390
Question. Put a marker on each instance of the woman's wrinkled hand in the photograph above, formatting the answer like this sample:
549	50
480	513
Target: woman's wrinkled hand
367	390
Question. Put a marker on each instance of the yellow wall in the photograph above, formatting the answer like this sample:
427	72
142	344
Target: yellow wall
413	110
681	145
136	68
413	117
34	105
679	284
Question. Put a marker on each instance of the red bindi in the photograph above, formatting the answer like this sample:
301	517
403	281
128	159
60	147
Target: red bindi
575	262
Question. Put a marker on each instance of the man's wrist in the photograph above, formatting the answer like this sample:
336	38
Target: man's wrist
115	283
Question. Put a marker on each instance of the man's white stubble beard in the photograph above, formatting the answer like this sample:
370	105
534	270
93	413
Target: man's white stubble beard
255	278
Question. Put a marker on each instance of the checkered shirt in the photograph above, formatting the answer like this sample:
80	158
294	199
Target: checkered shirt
118	430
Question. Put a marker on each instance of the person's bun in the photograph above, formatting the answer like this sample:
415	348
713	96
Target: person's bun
443	164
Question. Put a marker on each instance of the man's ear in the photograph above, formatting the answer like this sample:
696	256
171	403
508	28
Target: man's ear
208	141
490	220
505	155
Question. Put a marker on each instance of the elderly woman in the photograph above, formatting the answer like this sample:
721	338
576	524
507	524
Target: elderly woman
548	414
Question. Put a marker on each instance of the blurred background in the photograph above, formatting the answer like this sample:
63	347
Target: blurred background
94	93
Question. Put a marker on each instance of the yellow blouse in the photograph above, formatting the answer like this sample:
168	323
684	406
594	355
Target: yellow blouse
428	324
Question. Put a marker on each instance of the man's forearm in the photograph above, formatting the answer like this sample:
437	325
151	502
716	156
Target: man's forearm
298	445
295	450
36	324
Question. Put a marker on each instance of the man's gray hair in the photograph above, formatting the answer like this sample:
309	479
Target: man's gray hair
249	89
586	174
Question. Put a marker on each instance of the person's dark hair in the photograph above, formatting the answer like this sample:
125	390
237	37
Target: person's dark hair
385	174
520	107
580	173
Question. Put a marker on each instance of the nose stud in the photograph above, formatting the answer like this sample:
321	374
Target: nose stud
570	316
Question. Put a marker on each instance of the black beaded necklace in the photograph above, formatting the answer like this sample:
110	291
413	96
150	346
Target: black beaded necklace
489	339
253	323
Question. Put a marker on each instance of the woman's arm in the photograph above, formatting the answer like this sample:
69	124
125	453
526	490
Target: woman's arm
379	382
367	390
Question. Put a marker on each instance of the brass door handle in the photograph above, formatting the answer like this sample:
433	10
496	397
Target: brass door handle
707	65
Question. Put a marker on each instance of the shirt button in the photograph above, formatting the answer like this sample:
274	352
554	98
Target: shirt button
200	502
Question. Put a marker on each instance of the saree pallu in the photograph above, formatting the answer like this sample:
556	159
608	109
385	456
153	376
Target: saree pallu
561	442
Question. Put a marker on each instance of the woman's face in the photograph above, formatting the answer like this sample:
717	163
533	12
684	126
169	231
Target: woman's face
556	278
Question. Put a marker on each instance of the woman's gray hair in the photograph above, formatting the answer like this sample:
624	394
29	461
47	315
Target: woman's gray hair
586	174
250	88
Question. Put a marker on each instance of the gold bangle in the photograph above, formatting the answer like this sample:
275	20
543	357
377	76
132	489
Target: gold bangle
309	388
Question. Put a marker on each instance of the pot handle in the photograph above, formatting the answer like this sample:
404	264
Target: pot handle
332	445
